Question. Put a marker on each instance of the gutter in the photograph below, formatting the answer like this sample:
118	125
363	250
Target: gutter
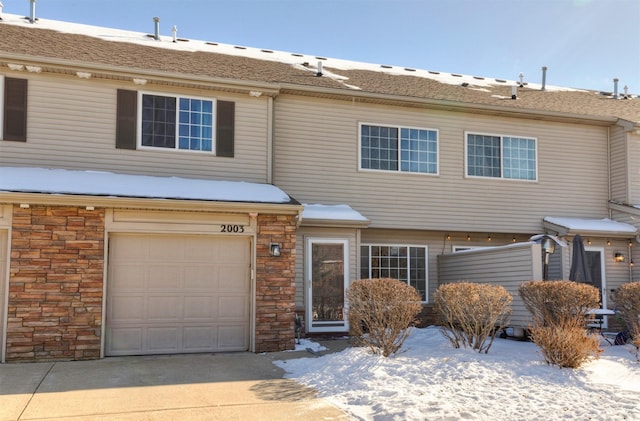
128	74
448	105
291	208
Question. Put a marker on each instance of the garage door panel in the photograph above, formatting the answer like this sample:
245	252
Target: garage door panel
233	253
232	308
199	308
199	338
127	308
164	308
163	339
230	338
201	248
180	293
233	279
129	277
161	277
201	277
125	341
170	248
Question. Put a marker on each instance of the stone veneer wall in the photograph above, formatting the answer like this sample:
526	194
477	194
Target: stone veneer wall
275	283
55	283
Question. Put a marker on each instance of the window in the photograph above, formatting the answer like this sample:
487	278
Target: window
405	263
398	149
177	123
501	157
145	120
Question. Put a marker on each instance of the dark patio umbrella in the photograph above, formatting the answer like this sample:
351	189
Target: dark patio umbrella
579	271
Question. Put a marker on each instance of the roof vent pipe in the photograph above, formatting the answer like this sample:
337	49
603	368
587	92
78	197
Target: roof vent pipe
544	78
521	77
514	92
0	10
319	72
615	88
32	11
175	33
626	92
156	24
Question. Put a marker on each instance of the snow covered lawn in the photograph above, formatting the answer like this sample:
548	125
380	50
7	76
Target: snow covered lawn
429	379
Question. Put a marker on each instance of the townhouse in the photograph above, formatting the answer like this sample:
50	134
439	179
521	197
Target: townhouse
163	195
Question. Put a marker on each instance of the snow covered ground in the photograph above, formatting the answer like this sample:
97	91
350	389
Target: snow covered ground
430	380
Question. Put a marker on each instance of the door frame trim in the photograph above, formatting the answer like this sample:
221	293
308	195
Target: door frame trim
309	241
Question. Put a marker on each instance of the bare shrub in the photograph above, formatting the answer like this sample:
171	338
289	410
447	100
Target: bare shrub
559	302
381	311
472	313
566	346
628	309
559	310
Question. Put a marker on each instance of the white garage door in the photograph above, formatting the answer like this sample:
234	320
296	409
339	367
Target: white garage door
177	294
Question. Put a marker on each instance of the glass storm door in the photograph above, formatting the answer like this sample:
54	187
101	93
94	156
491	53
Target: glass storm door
327	275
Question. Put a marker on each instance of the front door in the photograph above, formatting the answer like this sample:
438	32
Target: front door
327	280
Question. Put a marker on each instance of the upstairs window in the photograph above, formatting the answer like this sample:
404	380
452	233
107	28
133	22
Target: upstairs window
145	120
394	148
177	123
506	157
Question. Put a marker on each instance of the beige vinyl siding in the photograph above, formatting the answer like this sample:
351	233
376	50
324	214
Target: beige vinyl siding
301	272
633	162
507	266
619	165
437	244
316	161
71	124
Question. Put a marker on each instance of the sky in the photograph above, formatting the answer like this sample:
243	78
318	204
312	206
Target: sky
584	43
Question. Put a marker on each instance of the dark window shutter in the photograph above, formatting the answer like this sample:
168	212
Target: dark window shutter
225	118
127	110
15	109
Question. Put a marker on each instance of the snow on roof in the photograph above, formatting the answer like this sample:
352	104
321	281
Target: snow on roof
592	225
332	212
300	61
97	183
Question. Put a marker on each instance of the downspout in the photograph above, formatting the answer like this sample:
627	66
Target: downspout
609	171
270	128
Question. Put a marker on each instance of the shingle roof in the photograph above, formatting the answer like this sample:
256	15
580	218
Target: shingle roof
33	42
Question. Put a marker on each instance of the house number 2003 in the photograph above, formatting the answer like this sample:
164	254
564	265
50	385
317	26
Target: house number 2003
232	228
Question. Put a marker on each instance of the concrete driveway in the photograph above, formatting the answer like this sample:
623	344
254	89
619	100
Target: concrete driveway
233	386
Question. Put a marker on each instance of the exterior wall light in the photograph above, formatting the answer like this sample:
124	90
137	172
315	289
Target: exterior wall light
274	249
618	257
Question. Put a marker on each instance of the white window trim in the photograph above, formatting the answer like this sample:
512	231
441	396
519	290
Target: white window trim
176	149
426	263
501	136
397	126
